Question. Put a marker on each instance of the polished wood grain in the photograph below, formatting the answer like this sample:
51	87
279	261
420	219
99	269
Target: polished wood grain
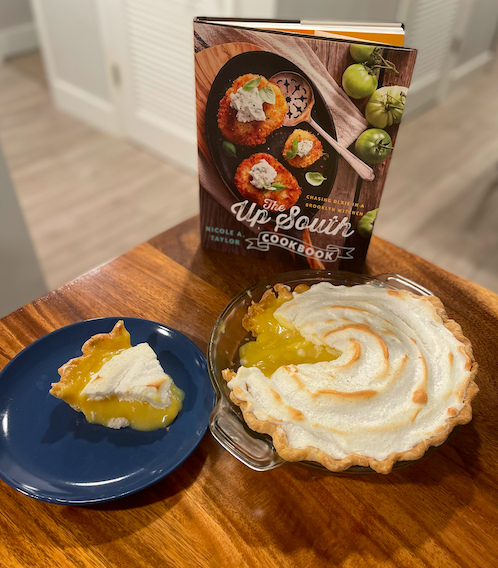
213	511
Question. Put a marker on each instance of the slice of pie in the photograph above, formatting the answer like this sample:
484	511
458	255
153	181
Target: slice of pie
118	385
356	375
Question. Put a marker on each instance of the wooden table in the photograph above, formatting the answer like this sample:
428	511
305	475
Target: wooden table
213	511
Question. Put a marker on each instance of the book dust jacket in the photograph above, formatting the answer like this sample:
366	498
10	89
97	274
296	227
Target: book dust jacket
295	137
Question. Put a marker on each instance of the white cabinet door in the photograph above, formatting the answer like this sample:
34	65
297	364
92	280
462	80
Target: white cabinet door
149	47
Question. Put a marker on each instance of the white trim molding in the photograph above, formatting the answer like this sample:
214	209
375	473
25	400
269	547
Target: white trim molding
17	40
84	105
471	67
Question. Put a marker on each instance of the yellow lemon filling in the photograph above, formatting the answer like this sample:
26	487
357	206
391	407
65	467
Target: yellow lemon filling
141	415
278	345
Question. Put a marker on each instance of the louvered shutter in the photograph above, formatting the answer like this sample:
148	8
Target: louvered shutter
155	60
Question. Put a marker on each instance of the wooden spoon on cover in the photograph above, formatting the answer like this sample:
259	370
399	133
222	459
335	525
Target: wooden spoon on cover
300	100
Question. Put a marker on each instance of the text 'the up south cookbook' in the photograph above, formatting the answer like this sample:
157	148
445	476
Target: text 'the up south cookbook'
296	125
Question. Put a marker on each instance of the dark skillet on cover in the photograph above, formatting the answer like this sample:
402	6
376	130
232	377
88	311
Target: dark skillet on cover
268	64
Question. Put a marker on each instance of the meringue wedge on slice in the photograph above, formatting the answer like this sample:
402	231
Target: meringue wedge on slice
117	385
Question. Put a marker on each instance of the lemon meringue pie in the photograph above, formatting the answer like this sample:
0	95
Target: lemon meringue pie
117	385
358	375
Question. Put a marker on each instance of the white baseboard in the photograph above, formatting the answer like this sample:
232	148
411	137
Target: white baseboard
164	140
17	40
83	105
470	68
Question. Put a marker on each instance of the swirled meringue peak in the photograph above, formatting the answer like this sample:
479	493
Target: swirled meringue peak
403	379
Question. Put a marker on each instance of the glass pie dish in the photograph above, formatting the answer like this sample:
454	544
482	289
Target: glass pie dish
226	422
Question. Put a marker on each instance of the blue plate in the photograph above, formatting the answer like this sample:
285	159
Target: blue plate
50	452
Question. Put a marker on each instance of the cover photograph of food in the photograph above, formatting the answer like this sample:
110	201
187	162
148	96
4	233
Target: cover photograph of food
295	138
296	392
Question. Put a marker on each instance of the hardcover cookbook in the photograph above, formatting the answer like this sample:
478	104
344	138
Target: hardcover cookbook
296	125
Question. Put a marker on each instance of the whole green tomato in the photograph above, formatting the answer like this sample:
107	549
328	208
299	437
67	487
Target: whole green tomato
373	146
359	81
385	107
366	223
363	53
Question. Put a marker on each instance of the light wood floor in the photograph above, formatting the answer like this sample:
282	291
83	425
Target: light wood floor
441	195
88	197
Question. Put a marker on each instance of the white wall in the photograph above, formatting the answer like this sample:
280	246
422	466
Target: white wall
480	31
21	280
254	9
72	46
14	12
76	47
476	40
339	10
17	32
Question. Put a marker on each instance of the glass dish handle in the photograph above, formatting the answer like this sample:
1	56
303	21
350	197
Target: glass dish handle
228	430
402	283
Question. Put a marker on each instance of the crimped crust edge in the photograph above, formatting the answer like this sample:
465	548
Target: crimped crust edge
87	349
384	466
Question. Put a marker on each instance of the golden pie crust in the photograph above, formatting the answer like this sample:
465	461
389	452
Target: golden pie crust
385	466
116	340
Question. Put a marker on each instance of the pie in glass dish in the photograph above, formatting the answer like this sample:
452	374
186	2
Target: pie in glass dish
360	375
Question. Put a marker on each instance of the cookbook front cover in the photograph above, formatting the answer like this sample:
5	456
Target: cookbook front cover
295	138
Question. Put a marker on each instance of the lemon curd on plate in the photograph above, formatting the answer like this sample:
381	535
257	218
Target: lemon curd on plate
277	342
117	385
